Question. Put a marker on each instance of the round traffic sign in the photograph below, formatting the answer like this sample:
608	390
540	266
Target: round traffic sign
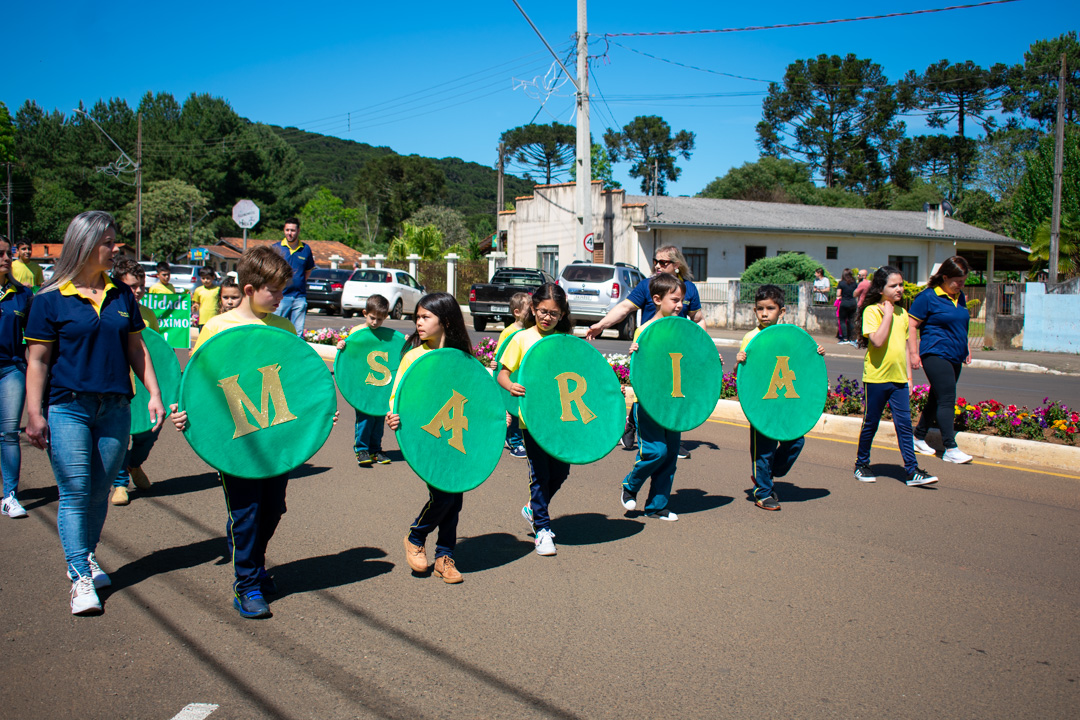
783	383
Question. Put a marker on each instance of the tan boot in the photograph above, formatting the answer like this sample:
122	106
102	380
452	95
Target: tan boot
119	496
416	556
139	478
445	568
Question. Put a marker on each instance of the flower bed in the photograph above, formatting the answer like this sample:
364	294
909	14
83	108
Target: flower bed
325	336
485	351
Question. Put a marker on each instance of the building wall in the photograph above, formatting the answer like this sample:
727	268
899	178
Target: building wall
547	219
1049	320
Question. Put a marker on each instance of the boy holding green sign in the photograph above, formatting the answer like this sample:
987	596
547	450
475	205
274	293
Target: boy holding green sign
772	458
368	432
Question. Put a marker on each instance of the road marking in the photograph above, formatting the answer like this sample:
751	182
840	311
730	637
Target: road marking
896	449
195	711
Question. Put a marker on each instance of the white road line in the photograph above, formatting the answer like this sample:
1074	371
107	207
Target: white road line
195	711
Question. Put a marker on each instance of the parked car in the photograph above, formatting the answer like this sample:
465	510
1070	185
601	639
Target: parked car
398	287
324	287
490	302
592	290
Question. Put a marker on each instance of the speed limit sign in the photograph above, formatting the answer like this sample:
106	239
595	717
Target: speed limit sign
589	244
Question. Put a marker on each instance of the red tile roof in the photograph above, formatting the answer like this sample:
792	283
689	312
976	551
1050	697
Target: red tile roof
321	250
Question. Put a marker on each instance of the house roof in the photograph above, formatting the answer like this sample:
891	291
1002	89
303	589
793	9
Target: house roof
686	212
49	252
321	250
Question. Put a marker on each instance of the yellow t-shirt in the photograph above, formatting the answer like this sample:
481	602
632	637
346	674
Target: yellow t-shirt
747	338
515	351
27	273
208	299
887	363
409	359
232	319
507	332
149	318
162	289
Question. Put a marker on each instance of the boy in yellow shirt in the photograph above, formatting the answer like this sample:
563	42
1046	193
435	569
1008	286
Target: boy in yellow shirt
205	298
521	308
164	275
368	431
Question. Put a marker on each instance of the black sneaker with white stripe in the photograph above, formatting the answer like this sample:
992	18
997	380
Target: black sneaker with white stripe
863	473
920	477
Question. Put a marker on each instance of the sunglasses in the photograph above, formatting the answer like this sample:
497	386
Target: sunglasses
661	261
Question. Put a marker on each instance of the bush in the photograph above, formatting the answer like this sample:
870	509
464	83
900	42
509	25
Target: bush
783	269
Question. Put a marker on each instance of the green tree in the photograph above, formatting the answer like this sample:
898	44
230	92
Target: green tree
395	186
547	148
52	207
168	207
1034	85
450	223
1002	159
7	136
782	269
325	217
1068	247
647	142
837	114
601	168
782	180
1034	197
427	242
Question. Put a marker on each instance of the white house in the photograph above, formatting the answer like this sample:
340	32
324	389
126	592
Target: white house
721	238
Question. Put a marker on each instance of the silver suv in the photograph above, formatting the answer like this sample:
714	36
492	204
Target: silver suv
593	290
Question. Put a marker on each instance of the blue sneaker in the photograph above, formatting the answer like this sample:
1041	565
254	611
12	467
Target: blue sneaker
526	512
518	451
252	605
266	583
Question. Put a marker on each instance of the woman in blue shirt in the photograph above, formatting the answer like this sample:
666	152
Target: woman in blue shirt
14	308
83	341
938	343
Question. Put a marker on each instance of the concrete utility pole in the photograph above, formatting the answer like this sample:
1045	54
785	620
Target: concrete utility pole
584	138
500	196
1059	161
138	192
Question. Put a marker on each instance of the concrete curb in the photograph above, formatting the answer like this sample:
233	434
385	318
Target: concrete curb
987	447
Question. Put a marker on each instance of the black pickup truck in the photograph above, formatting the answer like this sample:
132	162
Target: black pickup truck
490	302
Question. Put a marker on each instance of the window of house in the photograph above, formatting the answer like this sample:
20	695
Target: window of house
547	259
908	265
698	260
754	253
830	253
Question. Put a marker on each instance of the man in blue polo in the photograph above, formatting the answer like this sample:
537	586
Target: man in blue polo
294	301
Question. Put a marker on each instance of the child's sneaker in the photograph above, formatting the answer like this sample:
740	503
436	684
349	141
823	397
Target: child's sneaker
863	473
545	542
628	499
518	451
252	605
526	512
768	503
363	458
920	477
381	458
923	448
664	514
956	455
629	434
684	454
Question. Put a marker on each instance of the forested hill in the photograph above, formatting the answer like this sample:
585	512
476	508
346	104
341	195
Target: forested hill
470	188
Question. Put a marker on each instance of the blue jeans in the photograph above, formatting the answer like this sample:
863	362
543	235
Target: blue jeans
12	394
441	513
772	459
141	443
294	307
368	433
88	438
658	451
898	397
546	476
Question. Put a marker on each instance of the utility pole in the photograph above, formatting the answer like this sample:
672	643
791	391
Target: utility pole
500	196
138	191
584	138
1059	161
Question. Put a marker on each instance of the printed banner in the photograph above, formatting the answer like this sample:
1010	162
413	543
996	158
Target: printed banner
174	317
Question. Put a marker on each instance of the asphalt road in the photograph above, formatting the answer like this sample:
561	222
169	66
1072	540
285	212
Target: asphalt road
1009	387
856	600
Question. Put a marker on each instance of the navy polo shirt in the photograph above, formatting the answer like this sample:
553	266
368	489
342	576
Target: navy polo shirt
89	352
642	298
944	325
301	261
14	311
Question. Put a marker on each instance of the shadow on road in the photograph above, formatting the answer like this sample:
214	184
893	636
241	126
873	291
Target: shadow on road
593	529
327	571
692	500
306	470
792	493
33	498
493	550
181	485
167	560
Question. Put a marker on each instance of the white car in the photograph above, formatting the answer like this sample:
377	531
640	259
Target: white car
398	287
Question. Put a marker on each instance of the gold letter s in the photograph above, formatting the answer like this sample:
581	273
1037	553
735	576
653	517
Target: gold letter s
384	372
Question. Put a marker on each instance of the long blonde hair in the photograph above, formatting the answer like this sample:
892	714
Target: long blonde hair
82	236
680	261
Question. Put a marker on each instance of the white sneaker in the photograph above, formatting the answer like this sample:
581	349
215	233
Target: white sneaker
100	578
545	542
923	448
664	514
11	507
84	599
956	455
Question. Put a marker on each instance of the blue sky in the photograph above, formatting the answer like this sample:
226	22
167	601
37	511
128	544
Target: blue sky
439	79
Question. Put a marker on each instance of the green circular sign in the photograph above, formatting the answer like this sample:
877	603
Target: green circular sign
783	383
509	401
573	405
167	369
365	369
259	400
676	373
452	421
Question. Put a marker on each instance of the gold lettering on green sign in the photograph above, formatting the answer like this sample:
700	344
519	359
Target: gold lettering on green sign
271	393
451	417
377	367
782	379
676	375
570	397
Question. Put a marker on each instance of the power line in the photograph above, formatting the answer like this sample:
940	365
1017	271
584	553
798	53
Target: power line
810	23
